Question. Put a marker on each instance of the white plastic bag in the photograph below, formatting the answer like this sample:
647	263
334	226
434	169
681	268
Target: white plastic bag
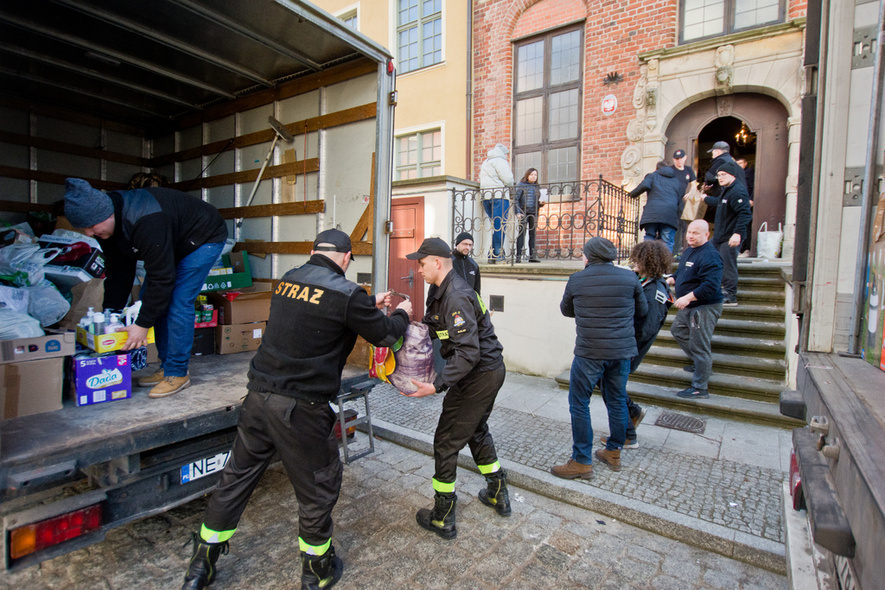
13	298
768	243
18	325
23	263
46	304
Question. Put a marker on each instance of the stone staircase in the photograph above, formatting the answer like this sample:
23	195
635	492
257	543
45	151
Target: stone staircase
749	356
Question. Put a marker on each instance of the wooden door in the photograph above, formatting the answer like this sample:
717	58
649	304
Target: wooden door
406	236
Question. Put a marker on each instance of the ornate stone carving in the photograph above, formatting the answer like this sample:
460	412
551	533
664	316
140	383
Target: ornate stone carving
639	92
724	56
724	76
636	129
725	105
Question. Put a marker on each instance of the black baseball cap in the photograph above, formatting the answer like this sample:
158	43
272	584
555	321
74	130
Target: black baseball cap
431	247
678	154
333	240
720	145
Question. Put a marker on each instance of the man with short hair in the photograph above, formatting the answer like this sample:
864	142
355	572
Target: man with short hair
315	317
463	264
604	299
730	227
721	154
473	374
178	237
699	301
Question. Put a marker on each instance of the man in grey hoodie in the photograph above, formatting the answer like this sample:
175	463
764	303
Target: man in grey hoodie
495	180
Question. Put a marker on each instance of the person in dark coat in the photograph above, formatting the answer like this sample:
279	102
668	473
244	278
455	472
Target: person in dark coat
733	217
750	175
721	154
463	264
604	300
528	206
685	174
178	237
660	216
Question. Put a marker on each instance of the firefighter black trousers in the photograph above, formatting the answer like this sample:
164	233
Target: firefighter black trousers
303	434
463	421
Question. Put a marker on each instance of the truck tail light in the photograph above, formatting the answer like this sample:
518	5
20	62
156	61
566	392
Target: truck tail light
796	482
46	533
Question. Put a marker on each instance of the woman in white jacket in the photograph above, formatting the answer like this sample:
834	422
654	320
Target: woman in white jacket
495	180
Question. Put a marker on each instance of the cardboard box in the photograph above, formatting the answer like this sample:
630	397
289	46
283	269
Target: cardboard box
31	349
251	305
204	342
31	387
239	277
107	342
239	337
102	379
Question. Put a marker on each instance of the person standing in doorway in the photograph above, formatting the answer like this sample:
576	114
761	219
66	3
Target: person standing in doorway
721	154
473	374
732	219
699	301
687	176
528	205
495	180
315	317
750	175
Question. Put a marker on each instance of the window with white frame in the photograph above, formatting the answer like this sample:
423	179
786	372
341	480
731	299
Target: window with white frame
547	105
701	19
350	16
418	33
419	155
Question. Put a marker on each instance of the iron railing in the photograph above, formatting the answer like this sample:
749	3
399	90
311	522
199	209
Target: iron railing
575	212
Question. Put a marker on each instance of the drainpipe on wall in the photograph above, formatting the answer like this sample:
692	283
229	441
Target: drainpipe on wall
869	185
468	171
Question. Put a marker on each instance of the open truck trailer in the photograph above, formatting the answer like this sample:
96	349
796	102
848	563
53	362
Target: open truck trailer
271	110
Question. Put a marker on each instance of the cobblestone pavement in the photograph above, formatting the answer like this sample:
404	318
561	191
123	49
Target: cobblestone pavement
545	544
731	494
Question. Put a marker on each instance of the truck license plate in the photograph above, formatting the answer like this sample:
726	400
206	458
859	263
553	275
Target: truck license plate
203	467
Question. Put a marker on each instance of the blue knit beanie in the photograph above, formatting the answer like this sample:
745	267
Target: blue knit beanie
85	206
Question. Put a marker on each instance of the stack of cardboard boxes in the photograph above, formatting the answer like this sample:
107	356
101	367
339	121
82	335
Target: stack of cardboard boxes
242	318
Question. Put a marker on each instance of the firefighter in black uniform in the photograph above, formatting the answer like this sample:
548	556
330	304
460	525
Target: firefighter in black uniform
315	317
473	374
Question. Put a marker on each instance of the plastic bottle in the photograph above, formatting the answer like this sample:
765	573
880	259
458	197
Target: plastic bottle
98	323
114	325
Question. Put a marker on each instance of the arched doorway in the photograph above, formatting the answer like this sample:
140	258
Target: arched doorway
721	118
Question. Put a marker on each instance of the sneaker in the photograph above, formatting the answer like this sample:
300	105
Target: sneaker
631	443
572	470
693	392
170	386
151	380
533	259
731	302
638	419
744	254
688	368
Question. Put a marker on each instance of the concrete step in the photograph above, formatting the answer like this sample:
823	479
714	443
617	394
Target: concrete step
734	345
768	368
748	386
761	283
760	297
743	327
763	312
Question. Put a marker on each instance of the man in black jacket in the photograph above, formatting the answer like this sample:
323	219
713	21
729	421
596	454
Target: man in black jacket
315	317
179	237
463	264
473	374
721	154
733	217
660	216
699	301
604	300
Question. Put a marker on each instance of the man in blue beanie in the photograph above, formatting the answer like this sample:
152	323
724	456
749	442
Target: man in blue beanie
179	237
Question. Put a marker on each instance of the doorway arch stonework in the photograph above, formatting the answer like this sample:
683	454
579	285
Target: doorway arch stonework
673	79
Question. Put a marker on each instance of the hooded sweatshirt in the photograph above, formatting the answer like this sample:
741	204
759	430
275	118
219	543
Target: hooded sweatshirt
604	300
495	173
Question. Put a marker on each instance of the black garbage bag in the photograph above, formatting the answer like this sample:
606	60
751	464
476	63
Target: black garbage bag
414	359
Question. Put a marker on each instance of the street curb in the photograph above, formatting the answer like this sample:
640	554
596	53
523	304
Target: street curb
738	545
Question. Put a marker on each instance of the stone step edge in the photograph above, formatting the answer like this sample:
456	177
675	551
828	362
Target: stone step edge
756	551
771	347
674	357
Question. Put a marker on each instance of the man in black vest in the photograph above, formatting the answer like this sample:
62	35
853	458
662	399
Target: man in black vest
315	317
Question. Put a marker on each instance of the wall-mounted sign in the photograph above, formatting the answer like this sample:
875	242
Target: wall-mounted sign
609	104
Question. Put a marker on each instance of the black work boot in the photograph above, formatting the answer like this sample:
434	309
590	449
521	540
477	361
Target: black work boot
320	571
441	519
201	571
496	494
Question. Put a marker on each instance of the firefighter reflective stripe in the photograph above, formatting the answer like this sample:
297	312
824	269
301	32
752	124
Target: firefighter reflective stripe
314	549
482	305
442	334
211	536
486	469
442	487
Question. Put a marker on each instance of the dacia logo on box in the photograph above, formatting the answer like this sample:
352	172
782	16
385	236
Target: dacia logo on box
105	379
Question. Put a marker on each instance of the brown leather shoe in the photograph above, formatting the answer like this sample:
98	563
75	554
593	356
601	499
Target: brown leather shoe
612	459
151	380
572	470
169	386
638	419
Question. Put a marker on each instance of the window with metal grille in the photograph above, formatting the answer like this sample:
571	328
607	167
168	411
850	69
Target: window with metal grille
418	33
419	155
547	105
701	19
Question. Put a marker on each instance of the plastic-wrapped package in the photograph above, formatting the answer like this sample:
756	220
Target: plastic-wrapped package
18	325
414	360
46	304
